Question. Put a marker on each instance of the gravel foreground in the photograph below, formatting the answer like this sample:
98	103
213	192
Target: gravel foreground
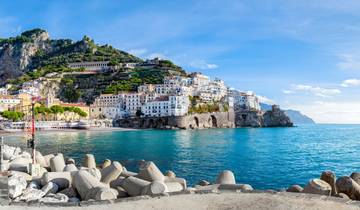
253	201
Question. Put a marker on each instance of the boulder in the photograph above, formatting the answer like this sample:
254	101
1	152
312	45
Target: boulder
295	189
31	194
356	177
20	164
8	152
317	186
226	177
89	187
70	167
49	188
170	174
330	178
106	163
203	183
34	185
155	188
111	172
40	159
57	163
134	186
25	155
150	172
69	161
62	179
69	192
89	161
349	187
26	176
16	184
55	198
47	159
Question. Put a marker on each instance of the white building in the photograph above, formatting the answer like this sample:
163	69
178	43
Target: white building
172	105
245	101
3	91
97	66
108	106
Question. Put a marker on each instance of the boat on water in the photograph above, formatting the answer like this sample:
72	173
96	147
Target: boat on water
43	125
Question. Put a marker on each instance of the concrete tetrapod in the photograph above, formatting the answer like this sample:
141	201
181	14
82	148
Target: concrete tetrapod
150	172
356	177
134	186
155	188
318	186
226	177
348	186
89	161
89	187
70	167
111	172
57	163
295	189
47	159
106	163
62	179
40	159
330	178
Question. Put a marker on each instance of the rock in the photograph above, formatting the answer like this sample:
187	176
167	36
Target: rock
155	188
47	159
349	187
295	189
25	155
234	187
203	183
55	198
356	177
8	152
226	177
50	187
89	161
74	200
34	185
318	186
26	176
40	159
106	163
117	182
134	186
128	173
62	179
20	164
330	178
16	185
31	194
343	195
89	187
170	174
70	167
121	192
149	171
111	172
57	163
69	192
69	161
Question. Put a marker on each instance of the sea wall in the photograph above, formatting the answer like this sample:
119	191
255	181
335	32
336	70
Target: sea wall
192	121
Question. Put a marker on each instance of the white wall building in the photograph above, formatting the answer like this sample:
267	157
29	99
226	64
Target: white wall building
245	101
172	105
7	102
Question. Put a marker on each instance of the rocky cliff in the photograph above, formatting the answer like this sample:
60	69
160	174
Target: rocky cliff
271	118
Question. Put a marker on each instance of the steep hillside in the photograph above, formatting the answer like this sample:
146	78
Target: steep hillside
33	54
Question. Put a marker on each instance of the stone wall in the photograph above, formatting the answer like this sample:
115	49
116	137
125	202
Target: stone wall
193	121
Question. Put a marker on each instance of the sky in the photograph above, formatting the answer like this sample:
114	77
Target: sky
303	55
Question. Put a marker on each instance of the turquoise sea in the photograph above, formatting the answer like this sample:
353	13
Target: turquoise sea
266	158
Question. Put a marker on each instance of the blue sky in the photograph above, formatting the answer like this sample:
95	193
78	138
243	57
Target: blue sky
303	55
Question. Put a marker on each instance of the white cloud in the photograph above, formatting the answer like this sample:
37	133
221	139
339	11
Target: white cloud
202	64
318	91
156	55
349	62
288	91
266	100
350	82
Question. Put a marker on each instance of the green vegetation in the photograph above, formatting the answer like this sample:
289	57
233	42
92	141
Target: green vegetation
12	115
205	108
56	109
69	92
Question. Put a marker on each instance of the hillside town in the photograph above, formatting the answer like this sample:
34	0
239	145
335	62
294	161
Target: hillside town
176	96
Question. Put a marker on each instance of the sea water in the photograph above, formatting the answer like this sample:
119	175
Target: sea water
266	158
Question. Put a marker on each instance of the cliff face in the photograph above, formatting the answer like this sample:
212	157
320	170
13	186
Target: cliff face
16	53
271	118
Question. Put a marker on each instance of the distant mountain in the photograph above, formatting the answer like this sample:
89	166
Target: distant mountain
295	116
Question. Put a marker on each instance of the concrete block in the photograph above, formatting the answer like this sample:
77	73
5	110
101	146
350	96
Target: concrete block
57	163
111	172
226	177
317	186
89	161
62	179
150	172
